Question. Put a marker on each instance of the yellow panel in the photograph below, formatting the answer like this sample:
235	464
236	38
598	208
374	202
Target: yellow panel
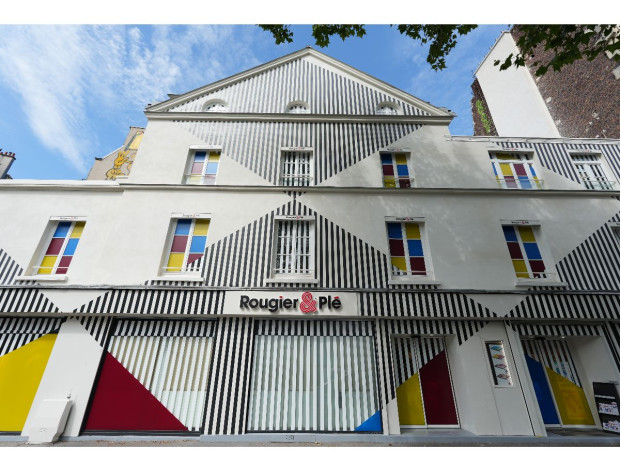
412	230
570	399
214	157
20	374
527	235
77	229
401	159
505	156
194	179
201	228
400	263
409	398
47	264
135	143
175	262
389	182
506	169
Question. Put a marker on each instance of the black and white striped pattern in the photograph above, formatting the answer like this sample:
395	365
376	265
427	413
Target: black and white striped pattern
533	329
228	392
411	354
98	327
15	300
325	91
17	332
336	146
595	263
555	156
313	328
611	331
164	328
553	354
156	302
9	269
568	307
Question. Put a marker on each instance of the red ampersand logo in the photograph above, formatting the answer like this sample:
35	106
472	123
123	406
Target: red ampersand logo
307	304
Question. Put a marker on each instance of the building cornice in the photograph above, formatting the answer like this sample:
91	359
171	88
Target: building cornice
535	140
296	118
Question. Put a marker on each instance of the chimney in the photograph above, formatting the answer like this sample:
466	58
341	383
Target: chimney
6	160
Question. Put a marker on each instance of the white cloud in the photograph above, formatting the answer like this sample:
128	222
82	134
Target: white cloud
67	76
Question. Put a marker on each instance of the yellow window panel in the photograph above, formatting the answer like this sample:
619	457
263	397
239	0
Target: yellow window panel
412	230
409	398
389	182
527	235
506	169
520	268
175	262
400	263
47	264
77	229
194	179
505	156
401	159
201	227
214	156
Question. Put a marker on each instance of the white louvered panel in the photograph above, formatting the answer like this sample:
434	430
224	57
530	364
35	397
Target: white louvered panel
173	369
312	383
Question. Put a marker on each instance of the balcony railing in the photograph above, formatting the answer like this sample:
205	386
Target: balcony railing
525	184
536	275
197	179
599	184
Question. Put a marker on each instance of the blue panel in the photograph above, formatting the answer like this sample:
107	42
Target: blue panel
62	229
525	182
494	170
200	156
373	424
531	249
543	393
415	248
198	244
510	234
532	170
183	227
395	231
402	170
211	168
386	158
71	246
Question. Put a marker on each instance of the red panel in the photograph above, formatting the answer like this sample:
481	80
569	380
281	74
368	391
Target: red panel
121	403
437	392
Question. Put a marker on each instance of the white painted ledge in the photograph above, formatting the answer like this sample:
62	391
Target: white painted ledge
53	277
192	278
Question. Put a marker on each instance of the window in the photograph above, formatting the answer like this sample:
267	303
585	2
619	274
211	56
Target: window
591	171
515	171
298	107
61	248
527	259
203	167
407	249
215	106
387	109
395	170
186	245
294	247
296	168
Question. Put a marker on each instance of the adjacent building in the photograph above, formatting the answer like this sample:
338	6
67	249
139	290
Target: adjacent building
304	248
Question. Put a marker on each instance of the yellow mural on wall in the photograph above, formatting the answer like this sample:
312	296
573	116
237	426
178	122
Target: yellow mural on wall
124	158
20	375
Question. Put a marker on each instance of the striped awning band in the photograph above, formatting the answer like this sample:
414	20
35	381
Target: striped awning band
313	328
170	328
526	329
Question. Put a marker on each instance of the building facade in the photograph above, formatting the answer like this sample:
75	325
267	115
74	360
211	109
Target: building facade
581	100
303	248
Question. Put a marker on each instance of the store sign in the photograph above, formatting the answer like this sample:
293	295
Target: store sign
291	303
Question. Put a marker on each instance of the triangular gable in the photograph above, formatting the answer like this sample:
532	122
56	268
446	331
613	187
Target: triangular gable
327	85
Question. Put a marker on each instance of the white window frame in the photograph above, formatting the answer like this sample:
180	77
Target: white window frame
164	275
193	149
298	107
615	230
409	278
309	176
394	152
590	182
388	109
526	158
552	277
215	106
309	276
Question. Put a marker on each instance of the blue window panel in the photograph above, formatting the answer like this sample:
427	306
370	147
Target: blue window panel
415	248
62	229
525	182
402	170
531	249
200	156
509	233
494	170
211	168
395	231
198	244
386	158
71	246
183	227
532	170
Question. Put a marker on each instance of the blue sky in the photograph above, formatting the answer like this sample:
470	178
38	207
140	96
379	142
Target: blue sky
69	93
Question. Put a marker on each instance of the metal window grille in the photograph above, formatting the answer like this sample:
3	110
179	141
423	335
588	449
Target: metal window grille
515	171
312	383
295	247
591	172
296	169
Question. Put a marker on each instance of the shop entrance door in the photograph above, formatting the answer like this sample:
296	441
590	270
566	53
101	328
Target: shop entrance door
424	388
557	386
